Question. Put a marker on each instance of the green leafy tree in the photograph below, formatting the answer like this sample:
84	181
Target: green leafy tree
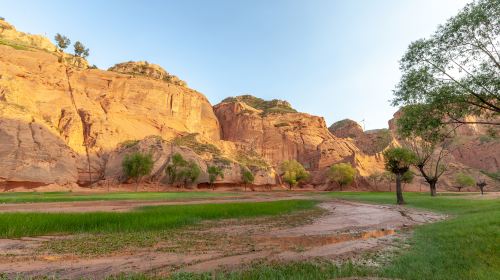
407	177
214	172
431	148
342	174
62	41
463	180
398	161
293	172
80	50
247	177
455	72
182	171
137	165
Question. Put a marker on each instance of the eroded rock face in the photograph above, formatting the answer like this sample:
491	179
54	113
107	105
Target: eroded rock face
370	142
91	111
33	155
162	152
285	136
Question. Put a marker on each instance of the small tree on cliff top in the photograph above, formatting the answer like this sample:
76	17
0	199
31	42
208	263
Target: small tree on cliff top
342	173
137	165
293	172
398	161
62	41
80	49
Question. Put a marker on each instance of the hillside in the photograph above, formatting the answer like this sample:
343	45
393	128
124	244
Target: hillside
65	124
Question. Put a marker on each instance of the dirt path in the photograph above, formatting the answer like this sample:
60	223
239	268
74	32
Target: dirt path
343	229
127	205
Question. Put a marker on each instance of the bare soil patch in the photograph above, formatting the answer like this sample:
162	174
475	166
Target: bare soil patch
336	231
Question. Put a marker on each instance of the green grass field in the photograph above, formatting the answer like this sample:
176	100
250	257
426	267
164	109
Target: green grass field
21	197
141	220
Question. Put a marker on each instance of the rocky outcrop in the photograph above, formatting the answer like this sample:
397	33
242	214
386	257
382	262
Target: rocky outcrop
370	142
146	69
283	135
89	111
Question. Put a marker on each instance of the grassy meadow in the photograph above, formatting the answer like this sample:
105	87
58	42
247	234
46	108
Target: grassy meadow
143	219
22	197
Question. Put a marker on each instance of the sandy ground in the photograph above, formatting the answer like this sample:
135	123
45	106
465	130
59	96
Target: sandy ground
339	230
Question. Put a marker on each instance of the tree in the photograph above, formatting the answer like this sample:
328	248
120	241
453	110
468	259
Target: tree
214	172
398	161
62	41
180	170
407	177
293	172
481	185
247	177
342	173
80	50
463	180
137	165
388	177
455	73
375	178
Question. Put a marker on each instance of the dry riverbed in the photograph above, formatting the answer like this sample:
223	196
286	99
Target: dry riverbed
336	230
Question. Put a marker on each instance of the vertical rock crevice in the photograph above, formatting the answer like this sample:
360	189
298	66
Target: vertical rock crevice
85	126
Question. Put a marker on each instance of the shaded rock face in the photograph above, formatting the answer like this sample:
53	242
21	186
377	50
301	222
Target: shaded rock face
162	152
370	142
283	136
32	154
90	111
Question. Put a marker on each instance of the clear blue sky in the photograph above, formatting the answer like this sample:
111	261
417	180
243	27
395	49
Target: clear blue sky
337	59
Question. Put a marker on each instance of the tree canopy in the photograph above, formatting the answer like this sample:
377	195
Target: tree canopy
293	172
342	173
463	180
454	73
137	165
180	170
214	171
80	49
398	161
62	41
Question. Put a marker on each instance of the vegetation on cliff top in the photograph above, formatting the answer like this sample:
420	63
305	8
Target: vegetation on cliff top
267	106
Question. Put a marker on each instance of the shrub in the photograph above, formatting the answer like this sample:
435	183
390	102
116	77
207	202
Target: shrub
180	170
463	180
293	172
137	165
214	172
342	173
247	176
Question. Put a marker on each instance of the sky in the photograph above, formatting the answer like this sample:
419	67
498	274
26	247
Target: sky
332	58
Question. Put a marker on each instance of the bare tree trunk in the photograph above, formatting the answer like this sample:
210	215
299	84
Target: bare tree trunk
137	185
399	191
432	184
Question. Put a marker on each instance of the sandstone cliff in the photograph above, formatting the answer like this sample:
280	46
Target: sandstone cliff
60	122
279	133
